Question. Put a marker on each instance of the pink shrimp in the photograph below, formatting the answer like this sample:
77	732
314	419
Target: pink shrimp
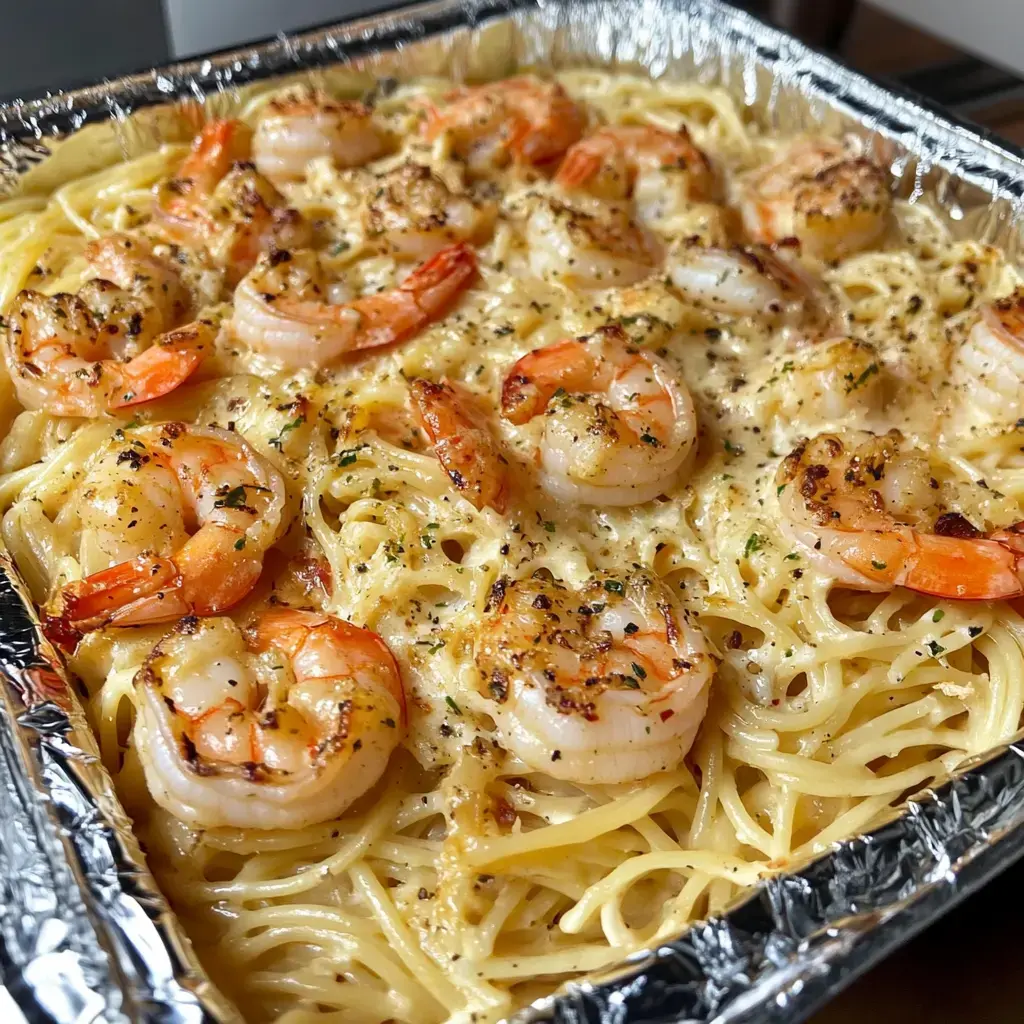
222	205
619	424
858	506
834	203
280	308
277	726
636	160
519	120
295	129
166	480
115	344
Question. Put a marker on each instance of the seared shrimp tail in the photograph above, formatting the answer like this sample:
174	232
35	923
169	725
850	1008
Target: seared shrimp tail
165	365
104	597
462	442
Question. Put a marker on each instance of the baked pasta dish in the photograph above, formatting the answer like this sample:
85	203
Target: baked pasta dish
495	525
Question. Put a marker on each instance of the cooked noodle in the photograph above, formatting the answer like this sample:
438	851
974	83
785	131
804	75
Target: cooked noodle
466	884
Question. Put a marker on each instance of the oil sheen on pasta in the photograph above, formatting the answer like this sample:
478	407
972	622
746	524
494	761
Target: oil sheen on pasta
466	884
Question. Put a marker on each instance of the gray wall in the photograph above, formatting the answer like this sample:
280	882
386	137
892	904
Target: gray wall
47	45
198	26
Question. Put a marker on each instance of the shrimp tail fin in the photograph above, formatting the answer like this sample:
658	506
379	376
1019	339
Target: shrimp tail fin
164	366
538	376
216	148
106	596
438	281
581	163
423	296
967	570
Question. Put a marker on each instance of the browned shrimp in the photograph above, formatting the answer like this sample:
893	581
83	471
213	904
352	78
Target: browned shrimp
519	120
464	445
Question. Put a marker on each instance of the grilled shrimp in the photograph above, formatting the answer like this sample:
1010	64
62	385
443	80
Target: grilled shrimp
836	381
603	685
464	445
222	205
618	424
281	725
862	508
298	128
834	203
516	121
989	366
658	169
749	281
411	213
175	521
115	344
281	308
604	248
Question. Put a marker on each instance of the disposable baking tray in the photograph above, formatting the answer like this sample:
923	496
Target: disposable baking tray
85	934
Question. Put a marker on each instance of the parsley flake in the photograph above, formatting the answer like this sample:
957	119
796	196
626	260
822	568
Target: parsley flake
349	455
754	543
278	442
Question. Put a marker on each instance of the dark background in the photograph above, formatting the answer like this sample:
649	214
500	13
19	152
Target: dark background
963	969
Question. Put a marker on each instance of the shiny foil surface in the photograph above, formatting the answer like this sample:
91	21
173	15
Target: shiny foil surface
85	936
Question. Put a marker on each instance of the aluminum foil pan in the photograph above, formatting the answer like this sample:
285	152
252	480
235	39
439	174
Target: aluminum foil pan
85	935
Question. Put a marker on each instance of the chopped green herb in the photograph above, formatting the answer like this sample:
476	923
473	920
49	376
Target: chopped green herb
549	526
733	449
240	543
278	442
632	683
614	587
938	615
871	369
792	556
235	498
649	438
754	543
935	648
454	707
780	489
639	670
349	455
878	565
